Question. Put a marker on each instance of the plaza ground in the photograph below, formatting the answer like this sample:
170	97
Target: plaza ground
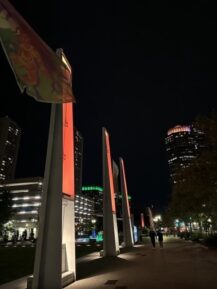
179	265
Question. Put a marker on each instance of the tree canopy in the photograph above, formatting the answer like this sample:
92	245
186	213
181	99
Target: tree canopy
6	210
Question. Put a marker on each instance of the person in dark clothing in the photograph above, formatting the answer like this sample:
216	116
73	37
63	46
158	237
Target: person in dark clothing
160	238
152	235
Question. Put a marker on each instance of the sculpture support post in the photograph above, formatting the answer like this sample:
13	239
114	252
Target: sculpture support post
142	221
47	267
110	229
151	222
68	185
127	226
68	189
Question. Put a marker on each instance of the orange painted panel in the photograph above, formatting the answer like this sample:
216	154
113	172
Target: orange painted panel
68	185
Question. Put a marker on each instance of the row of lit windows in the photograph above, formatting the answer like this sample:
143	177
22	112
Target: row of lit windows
187	157
25	221
82	213
173	159
26	198
79	219
23	184
79	198
26	205
81	204
82	208
19	191
27	212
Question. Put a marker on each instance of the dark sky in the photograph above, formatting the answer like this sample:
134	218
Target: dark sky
139	69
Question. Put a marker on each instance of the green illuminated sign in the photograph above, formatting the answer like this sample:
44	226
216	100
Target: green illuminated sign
91	188
99	237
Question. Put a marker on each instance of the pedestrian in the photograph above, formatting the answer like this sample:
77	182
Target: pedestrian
160	238
152	235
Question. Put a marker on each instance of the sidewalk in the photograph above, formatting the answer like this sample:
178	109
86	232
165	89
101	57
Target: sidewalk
179	265
16	284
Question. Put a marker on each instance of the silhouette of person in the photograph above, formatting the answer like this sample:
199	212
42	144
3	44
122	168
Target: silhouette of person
24	235
160	238
152	235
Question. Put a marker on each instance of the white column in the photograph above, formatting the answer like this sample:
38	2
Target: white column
142	220
110	229
68	242
151	222
127	225
47	267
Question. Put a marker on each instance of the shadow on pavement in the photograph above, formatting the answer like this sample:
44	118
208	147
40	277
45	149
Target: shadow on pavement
102	265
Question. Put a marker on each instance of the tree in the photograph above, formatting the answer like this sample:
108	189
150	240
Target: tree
194	195
6	210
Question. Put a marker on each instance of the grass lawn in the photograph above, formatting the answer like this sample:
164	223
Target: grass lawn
84	249
16	262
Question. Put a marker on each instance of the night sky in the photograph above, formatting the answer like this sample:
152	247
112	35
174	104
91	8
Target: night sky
138	69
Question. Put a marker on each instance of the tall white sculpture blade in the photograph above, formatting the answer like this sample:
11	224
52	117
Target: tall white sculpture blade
127	225
110	229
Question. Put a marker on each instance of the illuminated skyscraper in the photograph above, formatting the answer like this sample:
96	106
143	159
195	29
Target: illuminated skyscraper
9	146
94	193
183	145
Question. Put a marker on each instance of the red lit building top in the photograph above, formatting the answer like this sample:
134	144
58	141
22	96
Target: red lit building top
179	128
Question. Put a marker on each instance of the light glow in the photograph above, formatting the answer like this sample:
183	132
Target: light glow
157	218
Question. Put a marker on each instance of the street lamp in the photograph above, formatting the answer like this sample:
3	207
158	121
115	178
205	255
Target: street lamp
93	221
157	218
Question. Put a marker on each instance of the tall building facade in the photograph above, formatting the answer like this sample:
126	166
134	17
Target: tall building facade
94	193
26	195
78	144
183	144
84	211
26	201
9	145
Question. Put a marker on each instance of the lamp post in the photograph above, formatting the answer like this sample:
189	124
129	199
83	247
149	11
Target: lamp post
93	222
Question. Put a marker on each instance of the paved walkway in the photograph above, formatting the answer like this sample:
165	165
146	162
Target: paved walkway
179	265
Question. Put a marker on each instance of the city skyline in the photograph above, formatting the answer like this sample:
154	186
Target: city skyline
134	73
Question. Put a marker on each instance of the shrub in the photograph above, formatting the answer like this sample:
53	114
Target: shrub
197	237
211	240
184	235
